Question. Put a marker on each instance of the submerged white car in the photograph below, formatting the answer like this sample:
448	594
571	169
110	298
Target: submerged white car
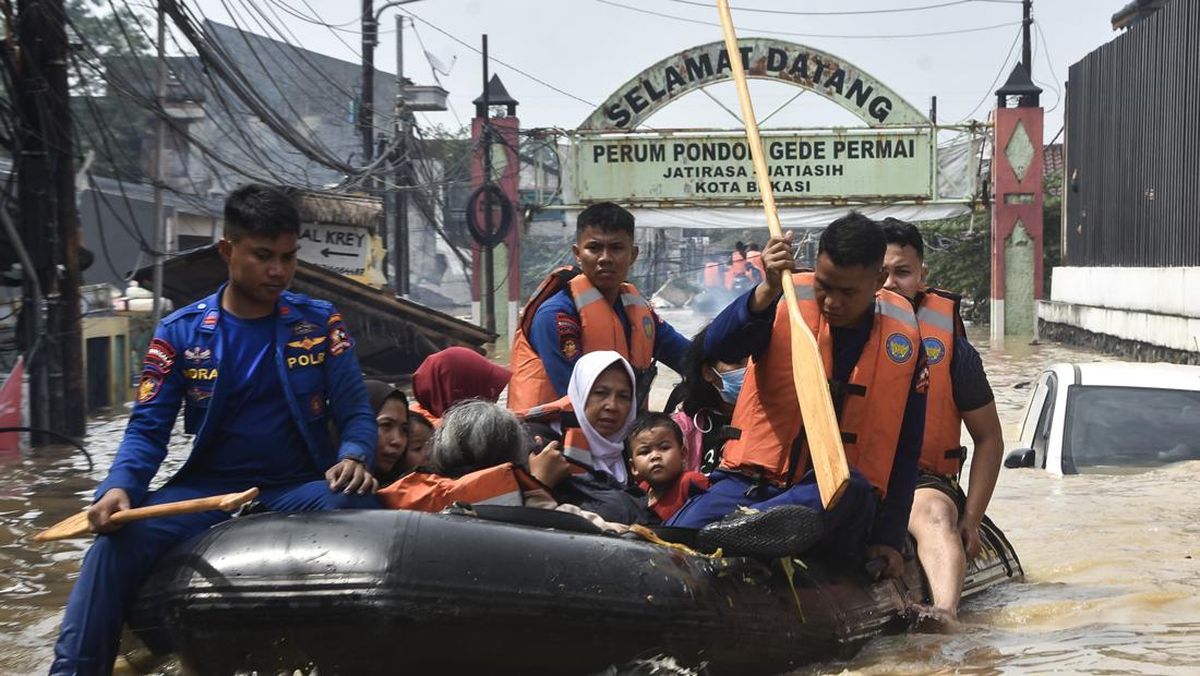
1110	416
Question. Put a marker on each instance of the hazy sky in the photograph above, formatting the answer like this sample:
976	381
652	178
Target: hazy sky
589	48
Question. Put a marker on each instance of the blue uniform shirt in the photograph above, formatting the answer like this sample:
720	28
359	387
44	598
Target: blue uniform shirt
230	398
556	325
738	333
257	411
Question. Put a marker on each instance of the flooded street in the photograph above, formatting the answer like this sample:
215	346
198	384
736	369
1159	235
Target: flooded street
1112	562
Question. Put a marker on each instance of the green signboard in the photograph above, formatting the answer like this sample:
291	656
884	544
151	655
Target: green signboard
807	166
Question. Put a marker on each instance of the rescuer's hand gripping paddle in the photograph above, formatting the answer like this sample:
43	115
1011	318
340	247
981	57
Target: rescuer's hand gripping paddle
812	384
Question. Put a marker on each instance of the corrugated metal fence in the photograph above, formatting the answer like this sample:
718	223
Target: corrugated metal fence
1132	178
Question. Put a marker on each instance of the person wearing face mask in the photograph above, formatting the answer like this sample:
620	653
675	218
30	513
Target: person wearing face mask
869	341
702	404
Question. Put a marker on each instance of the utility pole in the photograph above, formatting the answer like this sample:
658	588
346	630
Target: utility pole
487	287
1026	46
370	30
70	309
33	197
403	143
49	224
160	226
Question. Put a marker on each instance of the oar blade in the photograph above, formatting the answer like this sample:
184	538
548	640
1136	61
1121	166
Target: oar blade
77	525
70	527
820	420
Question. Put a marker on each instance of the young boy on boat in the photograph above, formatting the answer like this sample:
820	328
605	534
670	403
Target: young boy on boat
658	461
593	307
945	521
869	342
261	372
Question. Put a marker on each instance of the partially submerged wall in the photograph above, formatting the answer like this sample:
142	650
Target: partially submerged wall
1147	314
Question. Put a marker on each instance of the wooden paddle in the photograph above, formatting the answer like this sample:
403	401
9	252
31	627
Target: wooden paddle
77	525
812	385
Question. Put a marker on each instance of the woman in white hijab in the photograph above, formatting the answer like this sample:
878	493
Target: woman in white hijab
602	393
603	397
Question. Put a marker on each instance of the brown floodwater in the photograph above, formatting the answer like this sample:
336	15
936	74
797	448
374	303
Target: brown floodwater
1112	562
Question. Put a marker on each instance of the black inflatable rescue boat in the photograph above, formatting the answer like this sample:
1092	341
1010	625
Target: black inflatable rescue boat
504	590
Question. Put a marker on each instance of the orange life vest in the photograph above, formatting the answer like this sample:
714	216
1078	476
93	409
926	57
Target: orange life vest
712	275
771	444
602	330
500	485
942	451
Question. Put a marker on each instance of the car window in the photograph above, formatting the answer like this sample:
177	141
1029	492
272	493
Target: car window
1130	427
1033	407
1041	432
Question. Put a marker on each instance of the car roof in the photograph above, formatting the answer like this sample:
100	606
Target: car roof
1134	374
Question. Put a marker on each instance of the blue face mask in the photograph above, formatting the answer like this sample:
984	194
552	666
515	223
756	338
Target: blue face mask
731	384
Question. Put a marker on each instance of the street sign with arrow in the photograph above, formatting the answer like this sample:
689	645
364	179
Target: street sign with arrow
340	248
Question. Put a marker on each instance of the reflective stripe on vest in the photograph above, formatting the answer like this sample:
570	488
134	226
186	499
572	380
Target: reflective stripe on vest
601	329
577	451
768	414
510	499
549	412
941	447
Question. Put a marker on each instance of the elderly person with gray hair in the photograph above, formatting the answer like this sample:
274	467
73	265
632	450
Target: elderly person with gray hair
478	456
476	434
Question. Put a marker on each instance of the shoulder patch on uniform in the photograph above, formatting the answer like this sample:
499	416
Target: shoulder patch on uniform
149	386
899	348
648	326
935	350
570	335
339	338
160	356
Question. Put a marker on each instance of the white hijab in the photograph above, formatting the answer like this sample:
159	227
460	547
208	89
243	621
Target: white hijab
607	452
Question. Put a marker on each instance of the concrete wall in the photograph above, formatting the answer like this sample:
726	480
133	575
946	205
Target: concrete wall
1140	306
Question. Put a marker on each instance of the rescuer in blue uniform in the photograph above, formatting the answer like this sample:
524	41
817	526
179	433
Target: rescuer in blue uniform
261	373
